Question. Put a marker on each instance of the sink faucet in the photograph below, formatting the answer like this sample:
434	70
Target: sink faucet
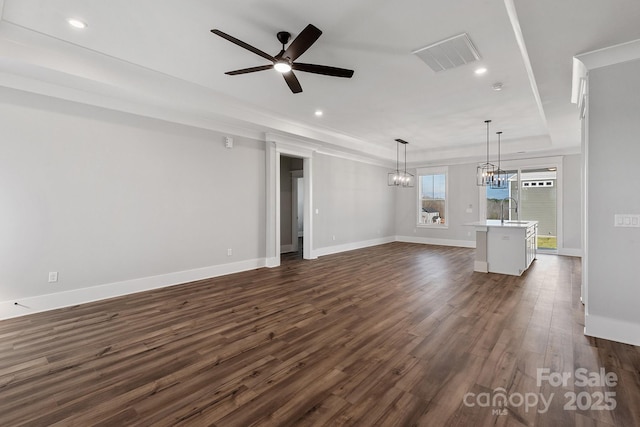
515	209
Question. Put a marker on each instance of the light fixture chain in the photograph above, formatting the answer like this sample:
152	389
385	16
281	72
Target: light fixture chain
405	177
487	122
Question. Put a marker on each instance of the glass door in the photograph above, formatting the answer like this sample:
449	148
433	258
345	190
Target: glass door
538	191
530	195
500	201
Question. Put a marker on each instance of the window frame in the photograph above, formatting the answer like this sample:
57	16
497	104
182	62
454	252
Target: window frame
435	170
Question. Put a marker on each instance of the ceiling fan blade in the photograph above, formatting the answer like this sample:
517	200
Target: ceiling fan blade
322	69
292	82
244	45
250	70
305	39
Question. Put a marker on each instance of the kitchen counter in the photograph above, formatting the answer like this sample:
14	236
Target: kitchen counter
497	223
505	248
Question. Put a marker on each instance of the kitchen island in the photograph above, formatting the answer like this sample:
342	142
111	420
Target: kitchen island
507	247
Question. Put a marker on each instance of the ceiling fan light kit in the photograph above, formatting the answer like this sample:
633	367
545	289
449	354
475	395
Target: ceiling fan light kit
284	62
282	66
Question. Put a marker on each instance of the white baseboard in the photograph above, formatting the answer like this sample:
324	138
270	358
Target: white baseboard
272	262
286	249
380	241
570	252
481	266
597	326
439	242
37	304
352	246
612	329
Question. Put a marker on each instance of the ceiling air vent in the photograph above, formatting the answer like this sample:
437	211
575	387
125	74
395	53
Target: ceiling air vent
449	53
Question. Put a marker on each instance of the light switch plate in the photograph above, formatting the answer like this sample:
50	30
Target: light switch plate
626	220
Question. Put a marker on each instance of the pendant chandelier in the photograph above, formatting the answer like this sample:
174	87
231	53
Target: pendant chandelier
501	177
400	178
485	172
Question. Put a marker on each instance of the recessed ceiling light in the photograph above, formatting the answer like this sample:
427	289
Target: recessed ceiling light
76	23
318	113
480	70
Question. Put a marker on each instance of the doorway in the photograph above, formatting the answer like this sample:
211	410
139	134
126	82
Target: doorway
278	146
291	207
538	201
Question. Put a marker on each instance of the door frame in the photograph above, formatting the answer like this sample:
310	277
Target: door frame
295	175
275	147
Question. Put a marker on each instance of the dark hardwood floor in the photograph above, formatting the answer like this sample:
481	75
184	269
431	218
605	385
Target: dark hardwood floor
393	335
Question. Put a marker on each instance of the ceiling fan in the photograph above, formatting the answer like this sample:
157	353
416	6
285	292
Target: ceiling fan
284	61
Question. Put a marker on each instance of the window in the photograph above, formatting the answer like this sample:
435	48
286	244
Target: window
432	197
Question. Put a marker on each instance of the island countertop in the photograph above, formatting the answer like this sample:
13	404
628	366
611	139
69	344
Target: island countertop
506	224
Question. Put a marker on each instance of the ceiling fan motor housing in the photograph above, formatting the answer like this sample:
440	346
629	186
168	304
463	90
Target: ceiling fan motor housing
283	37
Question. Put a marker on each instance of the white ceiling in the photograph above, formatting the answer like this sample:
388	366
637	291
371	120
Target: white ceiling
159	59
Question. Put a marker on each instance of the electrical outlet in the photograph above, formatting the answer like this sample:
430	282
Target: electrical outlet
334	237
53	276
229	252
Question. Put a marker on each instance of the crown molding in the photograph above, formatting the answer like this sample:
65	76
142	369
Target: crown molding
611	55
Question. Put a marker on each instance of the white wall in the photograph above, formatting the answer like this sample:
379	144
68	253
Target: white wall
571	205
104	197
354	204
463	192
612	187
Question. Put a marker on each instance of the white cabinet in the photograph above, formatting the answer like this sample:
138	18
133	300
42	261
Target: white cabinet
531	244
511	250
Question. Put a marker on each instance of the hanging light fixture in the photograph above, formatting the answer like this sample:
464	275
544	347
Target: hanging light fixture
400	178
500	177
485	171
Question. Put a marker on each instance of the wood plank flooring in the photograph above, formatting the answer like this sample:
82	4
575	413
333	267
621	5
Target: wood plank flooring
393	335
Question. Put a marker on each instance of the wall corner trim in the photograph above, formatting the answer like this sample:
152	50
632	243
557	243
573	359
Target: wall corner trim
611	55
